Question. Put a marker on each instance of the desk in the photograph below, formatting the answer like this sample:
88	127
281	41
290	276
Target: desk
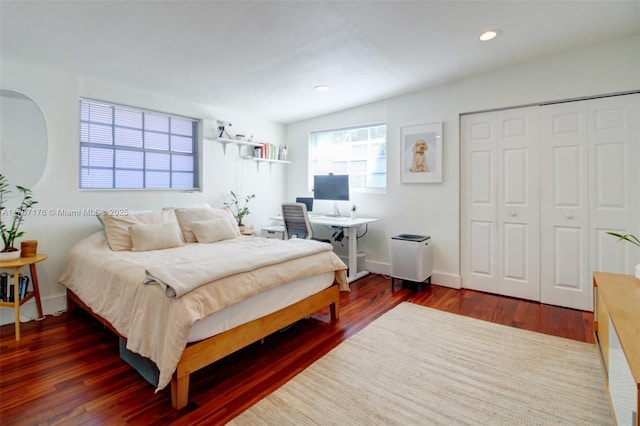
15	265
351	225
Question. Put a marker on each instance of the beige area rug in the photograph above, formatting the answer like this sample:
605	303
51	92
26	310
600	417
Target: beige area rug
419	366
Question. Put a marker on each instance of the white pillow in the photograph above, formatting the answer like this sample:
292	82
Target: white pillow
116	228
104	212
186	216
155	236
210	231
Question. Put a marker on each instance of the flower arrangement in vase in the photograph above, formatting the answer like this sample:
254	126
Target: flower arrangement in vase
239	207
10	229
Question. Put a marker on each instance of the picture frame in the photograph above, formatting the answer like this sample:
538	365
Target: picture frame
421	153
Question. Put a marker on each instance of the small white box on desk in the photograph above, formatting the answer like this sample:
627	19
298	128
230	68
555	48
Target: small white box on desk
276	231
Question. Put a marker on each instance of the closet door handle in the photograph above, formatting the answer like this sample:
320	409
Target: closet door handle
568	216
512	214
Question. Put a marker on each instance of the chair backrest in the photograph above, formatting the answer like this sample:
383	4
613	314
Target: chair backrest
296	221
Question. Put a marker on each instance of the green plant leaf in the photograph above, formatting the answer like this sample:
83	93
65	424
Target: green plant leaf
626	237
10	233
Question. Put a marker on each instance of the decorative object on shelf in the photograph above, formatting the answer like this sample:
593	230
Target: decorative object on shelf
239	206
284	152
421	156
222	131
239	136
247	230
28	248
10	230
633	240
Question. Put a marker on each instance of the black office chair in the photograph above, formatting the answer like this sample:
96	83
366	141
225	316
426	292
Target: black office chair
296	222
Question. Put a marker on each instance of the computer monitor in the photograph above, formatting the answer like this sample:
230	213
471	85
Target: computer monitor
331	187
308	201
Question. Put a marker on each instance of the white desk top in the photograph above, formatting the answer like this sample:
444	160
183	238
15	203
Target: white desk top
342	221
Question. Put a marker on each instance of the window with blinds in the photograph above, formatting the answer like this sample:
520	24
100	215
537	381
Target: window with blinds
360	152
128	148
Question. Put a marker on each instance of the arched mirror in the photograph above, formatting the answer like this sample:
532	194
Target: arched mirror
23	139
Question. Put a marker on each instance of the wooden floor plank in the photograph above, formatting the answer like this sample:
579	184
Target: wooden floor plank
66	369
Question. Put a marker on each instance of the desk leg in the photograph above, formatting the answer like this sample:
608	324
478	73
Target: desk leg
354	274
36	288
16	301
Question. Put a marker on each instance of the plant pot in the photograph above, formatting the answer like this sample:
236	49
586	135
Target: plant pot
9	255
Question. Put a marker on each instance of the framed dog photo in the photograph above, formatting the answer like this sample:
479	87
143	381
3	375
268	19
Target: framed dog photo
421	153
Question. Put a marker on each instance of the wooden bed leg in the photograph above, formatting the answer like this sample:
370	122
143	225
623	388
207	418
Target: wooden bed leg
179	391
72	306
334	308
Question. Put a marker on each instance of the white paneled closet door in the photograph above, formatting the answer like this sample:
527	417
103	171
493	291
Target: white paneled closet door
614	162
589	181
541	186
500	203
564	205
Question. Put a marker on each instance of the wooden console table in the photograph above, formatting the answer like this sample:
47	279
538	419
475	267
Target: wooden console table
15	265
617	331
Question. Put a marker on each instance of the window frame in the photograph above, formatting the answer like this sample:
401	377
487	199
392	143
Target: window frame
195	156
312	159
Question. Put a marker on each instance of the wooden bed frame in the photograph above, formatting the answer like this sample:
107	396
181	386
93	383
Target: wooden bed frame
200	354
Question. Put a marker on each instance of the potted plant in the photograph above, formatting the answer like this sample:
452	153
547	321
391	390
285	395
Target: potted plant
633	240
239	206
9	228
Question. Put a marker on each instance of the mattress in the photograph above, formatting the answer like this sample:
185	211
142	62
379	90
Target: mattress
258	306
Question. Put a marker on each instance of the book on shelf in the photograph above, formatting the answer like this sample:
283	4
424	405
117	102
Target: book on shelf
23	286
4	279
7	289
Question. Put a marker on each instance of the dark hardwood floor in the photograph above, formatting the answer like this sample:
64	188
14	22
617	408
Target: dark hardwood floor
66	369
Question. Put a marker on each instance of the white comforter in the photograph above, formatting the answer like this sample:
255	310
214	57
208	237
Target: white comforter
219	261
111	283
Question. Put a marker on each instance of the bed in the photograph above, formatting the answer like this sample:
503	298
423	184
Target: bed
184	288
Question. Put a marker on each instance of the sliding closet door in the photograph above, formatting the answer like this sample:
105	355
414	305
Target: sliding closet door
614	179
500	210
541	187
589	181
479	202
564	205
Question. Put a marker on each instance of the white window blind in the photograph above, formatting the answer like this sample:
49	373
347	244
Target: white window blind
360	152
128	148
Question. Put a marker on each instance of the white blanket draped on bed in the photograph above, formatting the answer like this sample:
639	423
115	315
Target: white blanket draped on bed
179	278
111	283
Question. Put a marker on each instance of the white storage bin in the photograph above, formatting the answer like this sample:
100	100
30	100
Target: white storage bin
411	257
273	232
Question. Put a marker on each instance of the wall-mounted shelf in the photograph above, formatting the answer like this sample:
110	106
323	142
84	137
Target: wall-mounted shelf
239	143
265	160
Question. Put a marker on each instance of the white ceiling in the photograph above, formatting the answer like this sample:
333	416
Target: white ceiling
265	57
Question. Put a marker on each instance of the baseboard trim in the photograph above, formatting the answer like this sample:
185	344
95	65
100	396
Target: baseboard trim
439	278
28	312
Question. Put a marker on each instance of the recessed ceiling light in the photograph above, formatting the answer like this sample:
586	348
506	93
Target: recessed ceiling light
322	88
489	35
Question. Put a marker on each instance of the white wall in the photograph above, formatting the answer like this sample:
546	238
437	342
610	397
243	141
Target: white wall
431	209
57	93
434	209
